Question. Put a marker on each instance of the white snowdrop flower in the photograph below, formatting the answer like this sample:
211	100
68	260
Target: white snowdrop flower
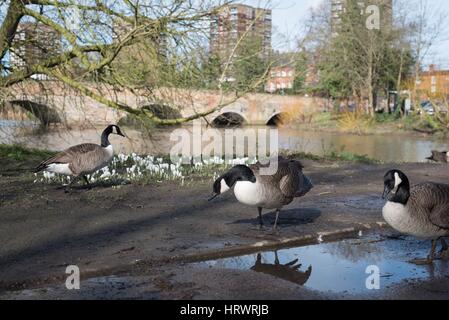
105	174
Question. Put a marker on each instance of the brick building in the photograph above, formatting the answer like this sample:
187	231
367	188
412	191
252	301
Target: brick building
232	22
280	78
433	83
33	43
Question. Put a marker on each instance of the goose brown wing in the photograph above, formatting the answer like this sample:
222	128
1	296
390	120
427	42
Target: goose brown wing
287	177
434	198
440	216
68	155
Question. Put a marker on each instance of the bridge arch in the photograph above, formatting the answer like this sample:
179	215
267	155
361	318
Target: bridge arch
229	119
42	112
278	119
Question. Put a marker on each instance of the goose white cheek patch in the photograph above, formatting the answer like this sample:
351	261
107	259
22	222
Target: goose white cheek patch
397	180
224	186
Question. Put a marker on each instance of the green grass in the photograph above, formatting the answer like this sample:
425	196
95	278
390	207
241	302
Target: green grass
386	118
323	118
20	153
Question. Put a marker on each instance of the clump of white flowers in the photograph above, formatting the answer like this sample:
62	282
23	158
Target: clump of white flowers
124	169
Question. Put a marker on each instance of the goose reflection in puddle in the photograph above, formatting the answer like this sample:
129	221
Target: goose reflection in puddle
290	271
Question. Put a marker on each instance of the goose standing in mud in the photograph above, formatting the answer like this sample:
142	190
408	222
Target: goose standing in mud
83	159
265	191
421	211
439	156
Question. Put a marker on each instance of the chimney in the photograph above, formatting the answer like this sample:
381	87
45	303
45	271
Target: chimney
432	68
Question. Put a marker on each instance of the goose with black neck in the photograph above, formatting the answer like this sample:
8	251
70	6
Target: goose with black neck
421	211
83	159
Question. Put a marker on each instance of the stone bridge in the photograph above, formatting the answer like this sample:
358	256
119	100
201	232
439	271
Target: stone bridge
54	103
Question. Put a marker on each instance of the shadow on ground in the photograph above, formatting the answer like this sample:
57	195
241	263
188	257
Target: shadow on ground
288	217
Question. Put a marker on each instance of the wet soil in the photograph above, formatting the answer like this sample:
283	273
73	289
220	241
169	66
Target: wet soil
139	241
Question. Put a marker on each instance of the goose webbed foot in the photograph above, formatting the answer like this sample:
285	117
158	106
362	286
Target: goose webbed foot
430	257
443	255
422	262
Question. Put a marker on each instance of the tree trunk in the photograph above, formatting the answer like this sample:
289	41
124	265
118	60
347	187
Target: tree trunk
9	26
369	81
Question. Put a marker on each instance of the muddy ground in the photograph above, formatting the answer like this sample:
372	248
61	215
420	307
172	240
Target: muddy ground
137	241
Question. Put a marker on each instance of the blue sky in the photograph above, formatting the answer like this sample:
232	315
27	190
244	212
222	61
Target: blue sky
288	14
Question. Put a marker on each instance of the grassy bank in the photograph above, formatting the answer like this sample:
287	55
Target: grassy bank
16	159
355	123
19	153
124	169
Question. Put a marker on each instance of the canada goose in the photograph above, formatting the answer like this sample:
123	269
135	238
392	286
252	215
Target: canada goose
438	156
265	191
421	211
81	160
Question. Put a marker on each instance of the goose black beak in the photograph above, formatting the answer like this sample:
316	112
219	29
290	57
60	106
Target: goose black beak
213	196
121	135
386	193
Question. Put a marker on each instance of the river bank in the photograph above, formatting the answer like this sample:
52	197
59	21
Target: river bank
138	240
380	124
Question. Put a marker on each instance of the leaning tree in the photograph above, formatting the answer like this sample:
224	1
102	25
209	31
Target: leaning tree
149	47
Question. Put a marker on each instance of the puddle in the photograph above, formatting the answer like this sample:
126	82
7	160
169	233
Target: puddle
340	267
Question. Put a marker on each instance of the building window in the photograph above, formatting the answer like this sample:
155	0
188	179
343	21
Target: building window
434	80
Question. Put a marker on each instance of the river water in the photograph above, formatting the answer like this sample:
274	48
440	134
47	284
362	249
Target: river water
385	147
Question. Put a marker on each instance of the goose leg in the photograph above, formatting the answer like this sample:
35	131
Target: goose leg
260	218
277	219
276	258
87	182
430	258
67	189
444	253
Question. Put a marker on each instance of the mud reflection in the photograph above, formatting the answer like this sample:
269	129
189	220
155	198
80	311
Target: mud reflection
289	271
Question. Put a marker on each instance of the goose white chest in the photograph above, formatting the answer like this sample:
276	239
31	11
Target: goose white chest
257	195
399	218
249	193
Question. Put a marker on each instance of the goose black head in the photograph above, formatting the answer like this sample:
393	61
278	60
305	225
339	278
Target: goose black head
396	182
112	129
227	181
